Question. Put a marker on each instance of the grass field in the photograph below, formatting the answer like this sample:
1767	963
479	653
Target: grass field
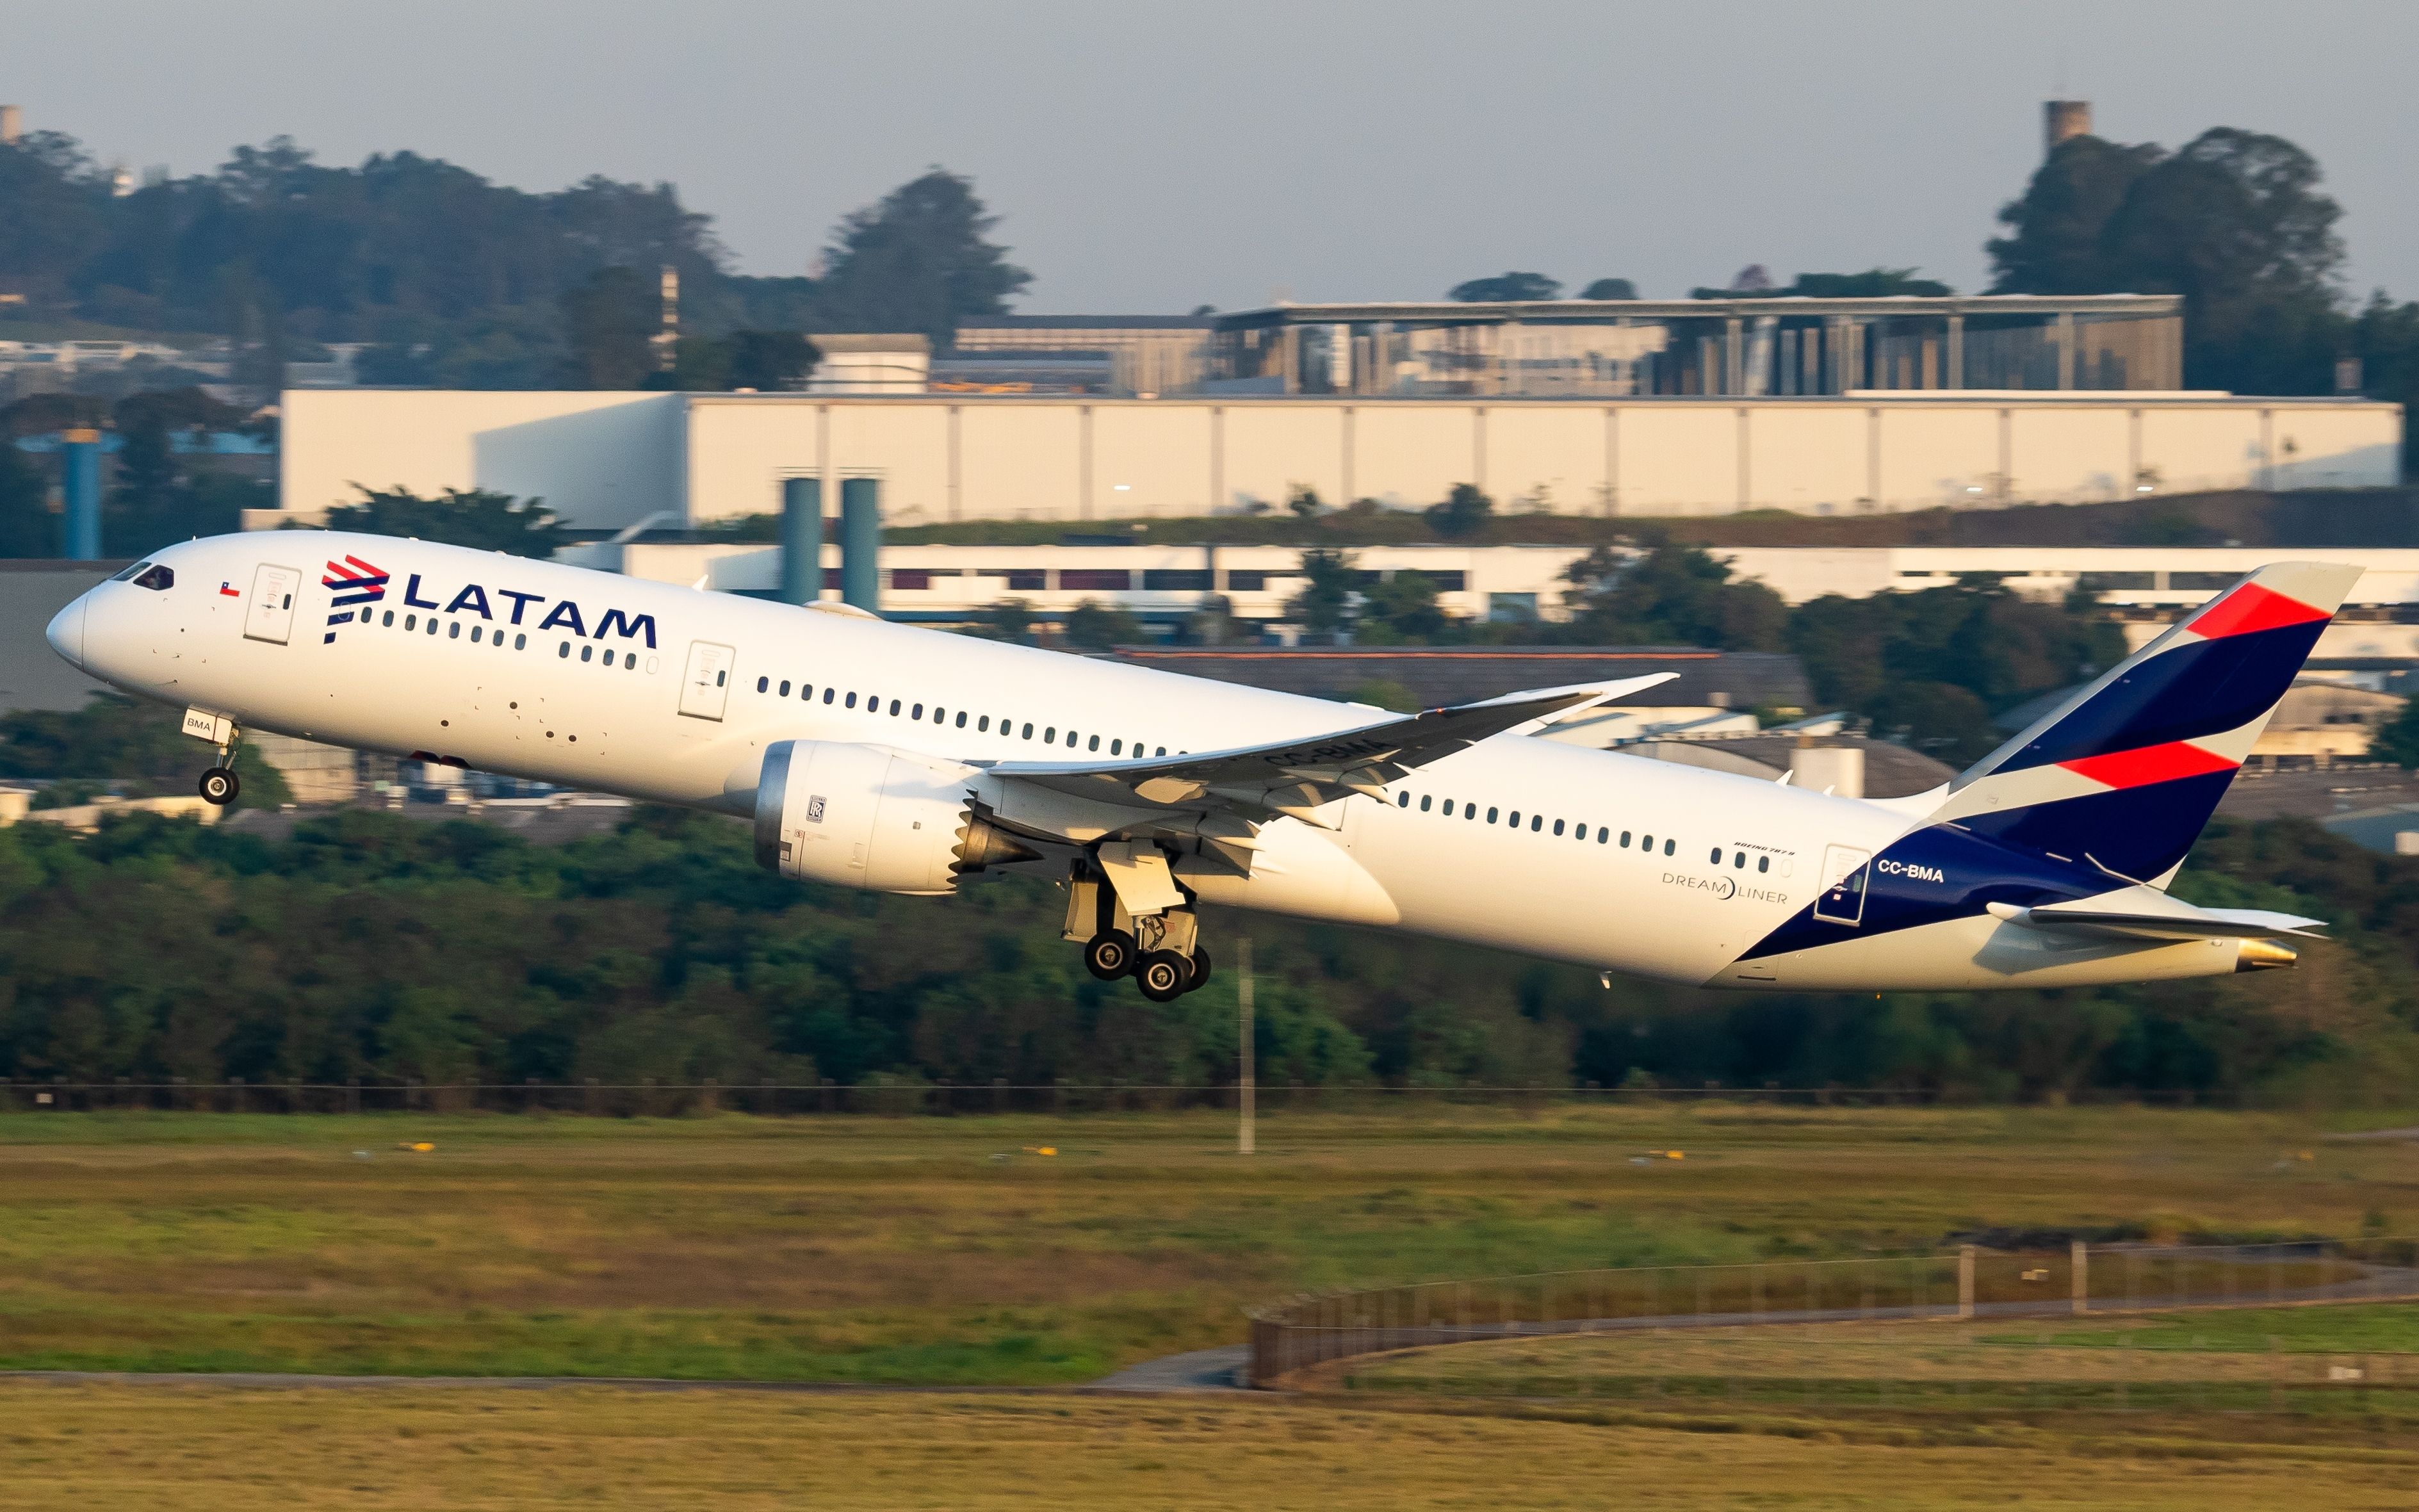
945	1251
215	1450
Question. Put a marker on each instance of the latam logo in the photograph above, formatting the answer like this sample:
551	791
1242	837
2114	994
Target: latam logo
563	615
354	582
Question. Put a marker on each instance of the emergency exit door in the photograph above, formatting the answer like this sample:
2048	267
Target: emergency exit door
269	614
706	685
1843	901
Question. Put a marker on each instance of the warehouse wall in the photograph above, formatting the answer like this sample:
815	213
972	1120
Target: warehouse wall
608	459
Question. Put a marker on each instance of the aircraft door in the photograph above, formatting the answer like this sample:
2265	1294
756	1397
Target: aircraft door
1843	899
706	685
269	614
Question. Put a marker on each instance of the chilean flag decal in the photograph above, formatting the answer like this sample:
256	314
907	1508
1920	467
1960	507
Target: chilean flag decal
228	590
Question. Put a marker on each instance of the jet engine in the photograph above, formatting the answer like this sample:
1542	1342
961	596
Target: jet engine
871	818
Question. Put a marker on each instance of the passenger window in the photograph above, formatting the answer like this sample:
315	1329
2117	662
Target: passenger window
629	661
894	708
1516	818
785	688
432	625
474	635
1094	745
1028	730
918	715
1739	858
1117	747
807	692
564	651
411	622
1161	751
1624	840
1558	827
1491	813
1425	800
1717	856
762	683
940	715
1402	800
1646	843
720	678
588	654
962	718
1764	863
829	691
1602	834
1667	847
519	642
1071	740
852	701
1536	821
982	725
388	619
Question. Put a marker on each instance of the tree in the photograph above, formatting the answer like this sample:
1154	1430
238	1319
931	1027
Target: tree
770	362
1462	514
1098	628
1304	500
1403	610
27	528
609	324
919	260
1329	581
1010	620
2397	740
2234	222
1672	595
1872	284
478	517
1503	286
2052	245
1609	288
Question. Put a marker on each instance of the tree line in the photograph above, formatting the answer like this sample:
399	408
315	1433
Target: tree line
372	946
460	281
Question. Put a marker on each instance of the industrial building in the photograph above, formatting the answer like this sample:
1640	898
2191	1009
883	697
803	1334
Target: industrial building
609	460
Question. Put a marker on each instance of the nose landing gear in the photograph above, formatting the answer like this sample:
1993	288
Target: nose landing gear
220	785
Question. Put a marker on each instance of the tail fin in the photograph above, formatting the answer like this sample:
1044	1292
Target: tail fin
2126	773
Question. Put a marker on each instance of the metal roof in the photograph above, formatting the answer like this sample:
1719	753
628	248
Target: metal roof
1598	310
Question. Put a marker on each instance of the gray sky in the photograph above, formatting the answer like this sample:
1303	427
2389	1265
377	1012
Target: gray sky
1146	158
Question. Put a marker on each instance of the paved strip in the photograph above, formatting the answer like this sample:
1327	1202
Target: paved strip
1198	1370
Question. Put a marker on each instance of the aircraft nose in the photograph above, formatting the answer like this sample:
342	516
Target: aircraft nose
66	633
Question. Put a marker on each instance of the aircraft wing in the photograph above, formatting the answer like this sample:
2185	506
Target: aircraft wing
2130	915
1235	791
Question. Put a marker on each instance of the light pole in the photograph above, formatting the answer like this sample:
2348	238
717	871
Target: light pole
1243	1086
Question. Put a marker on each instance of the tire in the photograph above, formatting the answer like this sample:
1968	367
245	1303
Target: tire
218	786
1200	969
1163	975
1110	954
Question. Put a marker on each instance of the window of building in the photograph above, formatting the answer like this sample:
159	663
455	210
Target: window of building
911	578
1096	579
1175	581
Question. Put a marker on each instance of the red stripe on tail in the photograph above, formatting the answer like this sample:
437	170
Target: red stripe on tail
2149	763
2252	608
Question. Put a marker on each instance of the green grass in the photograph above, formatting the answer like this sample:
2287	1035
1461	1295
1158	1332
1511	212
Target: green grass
944	1251
2384	1328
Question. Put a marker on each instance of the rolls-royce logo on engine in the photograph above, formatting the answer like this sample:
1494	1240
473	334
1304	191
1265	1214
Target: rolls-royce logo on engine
815	809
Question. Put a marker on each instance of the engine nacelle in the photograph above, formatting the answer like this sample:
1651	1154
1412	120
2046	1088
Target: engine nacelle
863	816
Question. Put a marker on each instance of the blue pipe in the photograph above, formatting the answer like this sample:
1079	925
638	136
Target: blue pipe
861	543
80	483
802	540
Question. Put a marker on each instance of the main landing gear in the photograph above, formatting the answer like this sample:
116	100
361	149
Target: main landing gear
1162	951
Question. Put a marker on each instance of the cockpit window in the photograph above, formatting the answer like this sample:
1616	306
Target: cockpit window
129	572
159	579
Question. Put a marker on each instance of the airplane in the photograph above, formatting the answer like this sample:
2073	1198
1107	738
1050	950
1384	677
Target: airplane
896	759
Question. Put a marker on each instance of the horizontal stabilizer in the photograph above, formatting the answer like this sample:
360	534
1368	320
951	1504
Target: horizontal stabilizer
2146	914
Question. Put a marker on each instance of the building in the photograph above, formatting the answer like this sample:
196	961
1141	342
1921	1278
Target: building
1149	356
607	461
1749	346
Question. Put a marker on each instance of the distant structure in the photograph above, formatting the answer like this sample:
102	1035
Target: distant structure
12	125
1145	355
667	338
2063	119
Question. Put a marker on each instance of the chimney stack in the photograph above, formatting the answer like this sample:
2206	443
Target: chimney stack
12	125
2062	119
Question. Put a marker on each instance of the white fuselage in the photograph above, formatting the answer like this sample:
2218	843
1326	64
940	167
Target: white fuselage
673	695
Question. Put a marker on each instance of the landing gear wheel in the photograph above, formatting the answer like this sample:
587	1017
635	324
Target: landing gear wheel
1200	969
1163	975
1110	954
218	786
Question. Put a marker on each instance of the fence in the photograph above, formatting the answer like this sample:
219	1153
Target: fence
906	1096
1966	1285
